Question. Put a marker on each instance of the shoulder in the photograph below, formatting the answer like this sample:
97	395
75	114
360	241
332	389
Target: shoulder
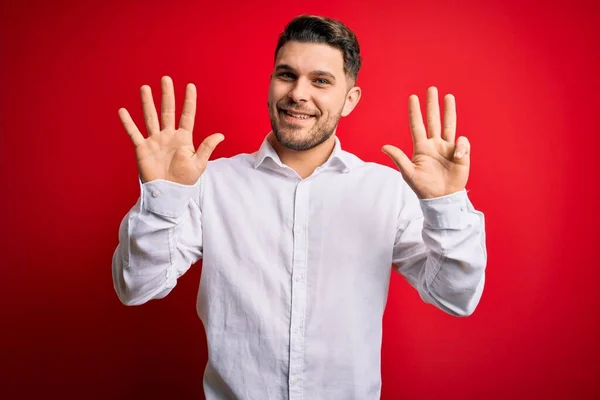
237	162
372	169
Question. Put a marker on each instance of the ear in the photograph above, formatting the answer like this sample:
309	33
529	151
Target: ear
352	99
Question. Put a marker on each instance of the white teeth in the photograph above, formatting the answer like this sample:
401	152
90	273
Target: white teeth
299	116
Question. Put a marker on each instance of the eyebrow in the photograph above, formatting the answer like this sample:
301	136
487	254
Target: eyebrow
286	67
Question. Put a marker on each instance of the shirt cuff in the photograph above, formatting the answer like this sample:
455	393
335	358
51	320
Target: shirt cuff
447	212
166	198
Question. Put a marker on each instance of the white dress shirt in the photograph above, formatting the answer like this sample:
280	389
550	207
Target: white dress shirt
296	271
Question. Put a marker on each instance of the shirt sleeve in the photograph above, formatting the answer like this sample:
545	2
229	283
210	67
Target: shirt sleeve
159	239
440	249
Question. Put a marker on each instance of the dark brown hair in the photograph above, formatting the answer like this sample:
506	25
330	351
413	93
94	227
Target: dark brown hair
316	29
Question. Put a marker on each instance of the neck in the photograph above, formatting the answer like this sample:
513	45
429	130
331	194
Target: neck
303	162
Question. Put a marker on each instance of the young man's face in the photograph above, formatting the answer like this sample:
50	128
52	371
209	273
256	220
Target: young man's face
308	94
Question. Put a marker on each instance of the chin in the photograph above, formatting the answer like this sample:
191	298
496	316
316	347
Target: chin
292	139
300	139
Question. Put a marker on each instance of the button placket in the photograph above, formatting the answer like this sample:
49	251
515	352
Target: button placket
298	306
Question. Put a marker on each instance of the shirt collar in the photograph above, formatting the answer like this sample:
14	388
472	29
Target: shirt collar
339	159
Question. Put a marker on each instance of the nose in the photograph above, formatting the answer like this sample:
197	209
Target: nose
299	92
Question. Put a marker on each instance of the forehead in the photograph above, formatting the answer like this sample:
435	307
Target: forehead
307	57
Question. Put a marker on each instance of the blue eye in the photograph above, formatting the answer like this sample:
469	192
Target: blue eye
286	75
322	81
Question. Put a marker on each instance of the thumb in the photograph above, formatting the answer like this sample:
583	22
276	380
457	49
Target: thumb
462	153
401	160
206	148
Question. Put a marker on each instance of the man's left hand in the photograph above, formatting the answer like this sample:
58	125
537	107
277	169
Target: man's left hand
439	165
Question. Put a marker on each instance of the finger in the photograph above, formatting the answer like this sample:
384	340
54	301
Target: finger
433	113
168	103
189	108
206	148
417	128
449	133
401	160
150	115
462	151
132	130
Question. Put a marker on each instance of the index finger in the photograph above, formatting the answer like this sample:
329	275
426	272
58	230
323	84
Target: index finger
189	108
417	128
449	118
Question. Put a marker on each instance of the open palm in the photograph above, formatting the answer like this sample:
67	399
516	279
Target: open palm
168	153
439	166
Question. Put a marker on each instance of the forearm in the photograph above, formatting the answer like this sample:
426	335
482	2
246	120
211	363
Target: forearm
448	266
152	251
455	280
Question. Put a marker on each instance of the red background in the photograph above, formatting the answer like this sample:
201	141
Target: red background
525	77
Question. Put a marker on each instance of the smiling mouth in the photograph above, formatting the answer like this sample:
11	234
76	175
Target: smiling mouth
291	116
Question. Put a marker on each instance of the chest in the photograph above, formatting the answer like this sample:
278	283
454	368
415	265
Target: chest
332	214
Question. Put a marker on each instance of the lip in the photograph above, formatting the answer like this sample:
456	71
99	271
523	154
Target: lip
292	120
285	110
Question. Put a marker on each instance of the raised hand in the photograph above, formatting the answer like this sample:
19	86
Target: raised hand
168	153
439	166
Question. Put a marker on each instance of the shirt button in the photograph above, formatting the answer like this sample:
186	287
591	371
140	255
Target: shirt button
299	229
155	193
294	381
298	278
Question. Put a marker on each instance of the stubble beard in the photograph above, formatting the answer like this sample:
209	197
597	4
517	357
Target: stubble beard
318	133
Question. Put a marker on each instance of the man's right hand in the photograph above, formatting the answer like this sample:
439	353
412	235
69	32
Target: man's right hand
168	153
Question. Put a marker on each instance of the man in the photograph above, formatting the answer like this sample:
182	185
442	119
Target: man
297	239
